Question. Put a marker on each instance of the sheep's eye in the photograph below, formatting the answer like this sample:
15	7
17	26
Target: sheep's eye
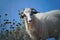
23	15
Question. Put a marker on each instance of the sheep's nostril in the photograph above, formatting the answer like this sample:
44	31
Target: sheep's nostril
30	20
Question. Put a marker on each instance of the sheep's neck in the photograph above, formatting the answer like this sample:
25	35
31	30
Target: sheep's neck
27	25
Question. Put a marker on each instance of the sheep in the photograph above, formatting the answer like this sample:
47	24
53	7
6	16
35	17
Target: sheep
42	25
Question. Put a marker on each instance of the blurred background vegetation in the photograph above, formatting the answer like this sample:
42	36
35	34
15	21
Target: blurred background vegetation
16	30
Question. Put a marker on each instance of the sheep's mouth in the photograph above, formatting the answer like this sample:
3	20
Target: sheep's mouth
29	22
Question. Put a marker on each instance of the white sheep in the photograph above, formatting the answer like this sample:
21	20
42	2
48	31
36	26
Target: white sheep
42	25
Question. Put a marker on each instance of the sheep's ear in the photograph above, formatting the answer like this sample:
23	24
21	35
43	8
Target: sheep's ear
22	15
34	11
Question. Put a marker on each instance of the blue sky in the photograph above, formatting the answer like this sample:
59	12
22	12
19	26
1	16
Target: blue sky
12	6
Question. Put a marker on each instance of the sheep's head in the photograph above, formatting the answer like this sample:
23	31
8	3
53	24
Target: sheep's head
28	12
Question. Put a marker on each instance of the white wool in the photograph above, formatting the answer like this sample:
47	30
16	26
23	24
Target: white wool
49	13
26	25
